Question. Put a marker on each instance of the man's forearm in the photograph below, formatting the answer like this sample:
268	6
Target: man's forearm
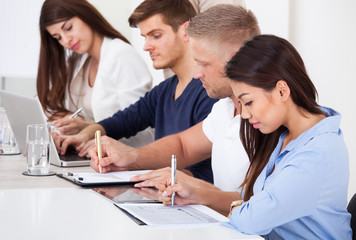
190	146
158	154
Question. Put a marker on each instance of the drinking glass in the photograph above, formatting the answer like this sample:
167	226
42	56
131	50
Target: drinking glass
37	149
8	144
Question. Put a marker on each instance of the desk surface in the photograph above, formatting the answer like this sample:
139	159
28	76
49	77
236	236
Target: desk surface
12	166
52	208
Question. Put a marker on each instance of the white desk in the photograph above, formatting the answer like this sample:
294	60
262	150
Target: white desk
52	208
11	168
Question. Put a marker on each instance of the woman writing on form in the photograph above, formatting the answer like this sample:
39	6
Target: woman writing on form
85	62
296	185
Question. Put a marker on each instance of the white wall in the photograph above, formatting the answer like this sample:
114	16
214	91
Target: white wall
116	12
272	16
324	32
19	44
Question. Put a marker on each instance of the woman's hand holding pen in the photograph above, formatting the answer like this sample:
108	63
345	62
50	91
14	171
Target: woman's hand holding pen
185	193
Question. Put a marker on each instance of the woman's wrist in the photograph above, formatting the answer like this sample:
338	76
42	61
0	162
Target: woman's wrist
201	196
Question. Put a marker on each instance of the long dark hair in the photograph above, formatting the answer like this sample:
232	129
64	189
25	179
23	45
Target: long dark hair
262	62
55	69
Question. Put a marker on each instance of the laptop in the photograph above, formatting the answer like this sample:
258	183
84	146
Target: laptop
22	111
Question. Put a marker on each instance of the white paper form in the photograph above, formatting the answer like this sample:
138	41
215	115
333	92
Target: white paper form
97	178
160	215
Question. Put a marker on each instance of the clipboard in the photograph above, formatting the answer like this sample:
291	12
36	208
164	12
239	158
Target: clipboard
91	179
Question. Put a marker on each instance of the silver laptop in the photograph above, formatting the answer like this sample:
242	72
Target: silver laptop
22	111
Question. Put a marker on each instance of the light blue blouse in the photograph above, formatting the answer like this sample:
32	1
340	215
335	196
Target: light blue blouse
306	195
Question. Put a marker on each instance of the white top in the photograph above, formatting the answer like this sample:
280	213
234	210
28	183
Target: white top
229	159
122	78
86	98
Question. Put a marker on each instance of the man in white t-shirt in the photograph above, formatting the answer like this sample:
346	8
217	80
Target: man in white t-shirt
215	36
221	127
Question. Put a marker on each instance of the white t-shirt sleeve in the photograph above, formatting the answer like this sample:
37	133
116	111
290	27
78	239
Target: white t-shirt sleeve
208	124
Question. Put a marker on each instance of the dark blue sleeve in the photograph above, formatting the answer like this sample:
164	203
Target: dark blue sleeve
134	118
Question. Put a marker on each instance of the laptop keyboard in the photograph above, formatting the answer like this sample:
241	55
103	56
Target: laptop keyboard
72	155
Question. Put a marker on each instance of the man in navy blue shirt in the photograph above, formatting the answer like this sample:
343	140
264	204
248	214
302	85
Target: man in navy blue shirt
175	104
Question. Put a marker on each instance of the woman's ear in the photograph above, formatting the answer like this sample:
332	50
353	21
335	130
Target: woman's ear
283	89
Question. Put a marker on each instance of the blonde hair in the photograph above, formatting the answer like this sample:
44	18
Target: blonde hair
224	25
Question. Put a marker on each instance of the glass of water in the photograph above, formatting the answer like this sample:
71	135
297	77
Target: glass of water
37	149
8	144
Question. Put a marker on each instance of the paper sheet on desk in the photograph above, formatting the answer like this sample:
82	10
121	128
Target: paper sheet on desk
160	215
123	176
93	178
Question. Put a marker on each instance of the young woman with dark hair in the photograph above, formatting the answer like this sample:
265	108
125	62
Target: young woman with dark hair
85	62
296	185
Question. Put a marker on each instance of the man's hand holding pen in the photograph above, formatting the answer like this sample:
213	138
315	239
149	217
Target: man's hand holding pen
114	156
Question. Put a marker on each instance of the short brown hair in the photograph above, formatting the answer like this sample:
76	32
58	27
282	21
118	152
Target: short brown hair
174	12
224	24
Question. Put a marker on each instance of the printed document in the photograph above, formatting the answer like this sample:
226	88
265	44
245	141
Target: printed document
160	215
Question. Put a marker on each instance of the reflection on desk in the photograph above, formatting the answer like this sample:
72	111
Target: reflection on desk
129	194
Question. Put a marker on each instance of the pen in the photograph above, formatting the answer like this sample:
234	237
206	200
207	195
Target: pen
98	146
173	175
76	113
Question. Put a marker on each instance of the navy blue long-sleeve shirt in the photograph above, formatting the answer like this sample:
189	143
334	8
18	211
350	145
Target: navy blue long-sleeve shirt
159	110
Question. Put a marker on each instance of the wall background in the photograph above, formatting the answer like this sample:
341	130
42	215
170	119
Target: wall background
323	31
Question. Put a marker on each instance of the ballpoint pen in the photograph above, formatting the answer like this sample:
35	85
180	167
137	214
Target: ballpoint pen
173	175
76	113
98	146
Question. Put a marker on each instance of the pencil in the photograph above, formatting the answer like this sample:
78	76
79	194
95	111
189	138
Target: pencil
98	146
